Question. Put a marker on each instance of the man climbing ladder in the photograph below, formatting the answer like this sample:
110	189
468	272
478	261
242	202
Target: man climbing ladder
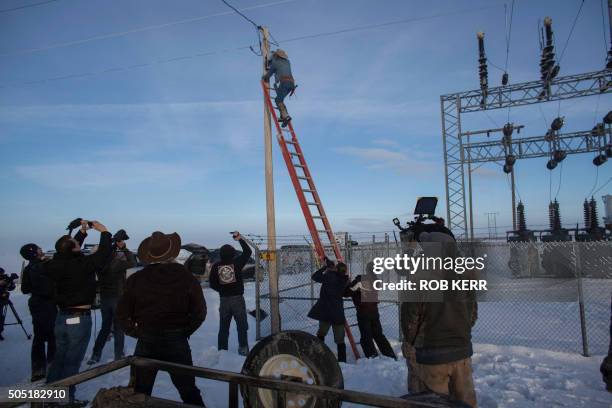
284	84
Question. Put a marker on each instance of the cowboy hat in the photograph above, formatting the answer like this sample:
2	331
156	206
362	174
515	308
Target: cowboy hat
281	54
159	247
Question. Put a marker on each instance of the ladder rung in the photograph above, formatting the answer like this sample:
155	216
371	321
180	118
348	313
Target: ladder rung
325	231
297	165
318	216
303	178
290	141
317	204
294	154
307	190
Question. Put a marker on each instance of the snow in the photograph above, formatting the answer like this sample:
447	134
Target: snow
505	376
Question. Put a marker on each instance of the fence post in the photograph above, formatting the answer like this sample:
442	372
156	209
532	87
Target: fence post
583	329
313	267
258	279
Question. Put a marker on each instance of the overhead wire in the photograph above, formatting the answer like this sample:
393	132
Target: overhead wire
208	53
508	38
138	30
567	43
40	3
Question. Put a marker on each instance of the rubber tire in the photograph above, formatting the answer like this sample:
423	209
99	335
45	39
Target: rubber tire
313	352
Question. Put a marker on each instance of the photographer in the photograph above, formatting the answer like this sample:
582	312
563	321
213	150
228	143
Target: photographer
42	308
7	284
329	308
74	275
111	281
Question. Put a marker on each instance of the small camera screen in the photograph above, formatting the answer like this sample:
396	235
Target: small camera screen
426	205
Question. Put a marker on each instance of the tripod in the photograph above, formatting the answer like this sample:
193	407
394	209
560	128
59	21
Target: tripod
6	304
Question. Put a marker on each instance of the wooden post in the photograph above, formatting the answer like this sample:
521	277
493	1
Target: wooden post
272	271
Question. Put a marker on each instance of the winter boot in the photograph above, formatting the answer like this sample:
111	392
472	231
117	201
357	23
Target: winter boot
93	360
243	351
284	115
341	353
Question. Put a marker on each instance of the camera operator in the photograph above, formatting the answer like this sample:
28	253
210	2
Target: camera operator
74	275
7	284
42	308
111	281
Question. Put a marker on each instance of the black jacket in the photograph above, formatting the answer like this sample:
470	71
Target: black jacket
365	297
35	282
225	276
111	279
329	307
441	329
163	296
74	274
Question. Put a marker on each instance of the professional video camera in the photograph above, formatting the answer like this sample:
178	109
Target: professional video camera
7	284
424	211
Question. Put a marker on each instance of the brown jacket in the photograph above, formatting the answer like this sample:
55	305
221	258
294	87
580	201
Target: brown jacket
161	297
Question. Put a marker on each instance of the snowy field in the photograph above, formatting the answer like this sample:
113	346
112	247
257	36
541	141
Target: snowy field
505	376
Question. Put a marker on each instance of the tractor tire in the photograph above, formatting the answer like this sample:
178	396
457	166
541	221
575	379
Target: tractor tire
296	356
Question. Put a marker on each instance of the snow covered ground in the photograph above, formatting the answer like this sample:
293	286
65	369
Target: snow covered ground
505	376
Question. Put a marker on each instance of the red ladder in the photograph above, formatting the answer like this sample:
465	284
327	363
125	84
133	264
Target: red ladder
312	204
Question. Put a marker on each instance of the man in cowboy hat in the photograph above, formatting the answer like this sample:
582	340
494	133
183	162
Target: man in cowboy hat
162	306
284	84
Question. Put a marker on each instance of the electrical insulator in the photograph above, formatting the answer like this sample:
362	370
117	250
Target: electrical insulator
551	216
508	129
505	79
559	155
557	123
557	216
587	214
510	160
520	212
608	150
593	214
598	130
608	118
507	169
551	164
600	159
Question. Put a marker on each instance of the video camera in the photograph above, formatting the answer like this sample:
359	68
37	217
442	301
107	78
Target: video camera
76	223
424	210
7	284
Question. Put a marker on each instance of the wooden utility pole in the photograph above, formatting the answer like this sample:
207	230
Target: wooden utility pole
272	270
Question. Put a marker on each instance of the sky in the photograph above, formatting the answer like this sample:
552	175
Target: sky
108	111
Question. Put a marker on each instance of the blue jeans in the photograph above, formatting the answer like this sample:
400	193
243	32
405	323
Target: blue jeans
108	308
71	344
282	90
232	307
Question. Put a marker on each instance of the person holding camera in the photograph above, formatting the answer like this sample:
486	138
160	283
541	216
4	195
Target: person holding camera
226	278
162	306
111	281
74	276
7	284
329	308
42	308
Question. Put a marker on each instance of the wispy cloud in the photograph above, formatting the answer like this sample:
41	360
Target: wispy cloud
378	158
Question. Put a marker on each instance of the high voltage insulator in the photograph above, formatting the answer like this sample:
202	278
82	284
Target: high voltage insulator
593	215
548	68
505	79
483	72
586	208
554	216
520	213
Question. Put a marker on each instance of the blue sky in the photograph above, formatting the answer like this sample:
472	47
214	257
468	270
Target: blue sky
178	146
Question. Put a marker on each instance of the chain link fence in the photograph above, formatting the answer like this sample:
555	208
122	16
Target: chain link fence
547	295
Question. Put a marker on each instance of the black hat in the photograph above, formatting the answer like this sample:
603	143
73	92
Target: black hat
227	253
29	251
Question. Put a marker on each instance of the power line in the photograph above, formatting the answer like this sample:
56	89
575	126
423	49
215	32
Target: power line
138	30
603	26
240	14
8	10
201	54
571	31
